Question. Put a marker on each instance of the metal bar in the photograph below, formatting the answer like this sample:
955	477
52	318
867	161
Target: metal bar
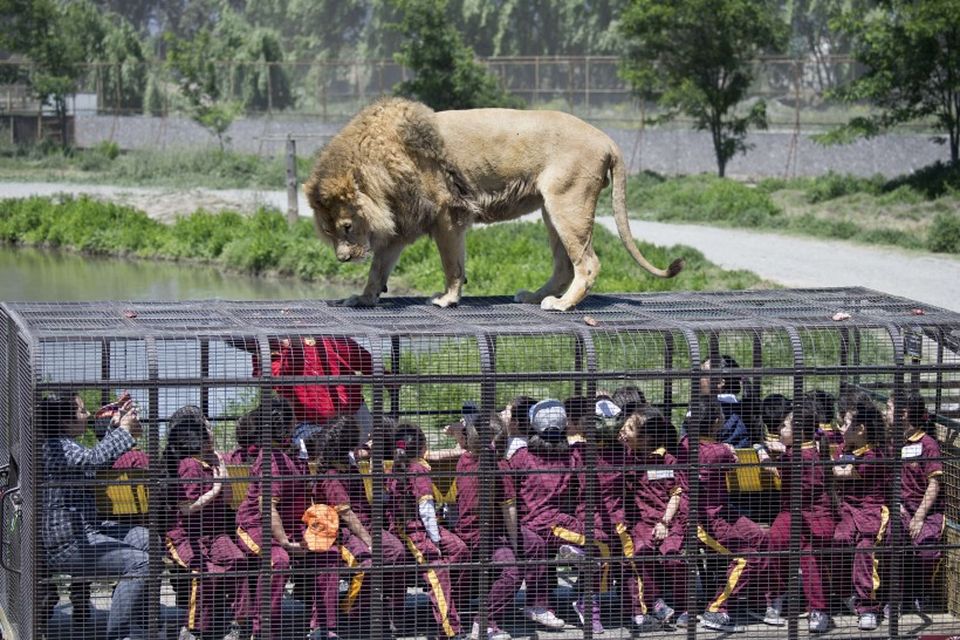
293	212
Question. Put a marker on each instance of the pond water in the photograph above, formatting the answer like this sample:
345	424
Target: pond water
32	274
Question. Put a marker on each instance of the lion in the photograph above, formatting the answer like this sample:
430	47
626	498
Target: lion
399	170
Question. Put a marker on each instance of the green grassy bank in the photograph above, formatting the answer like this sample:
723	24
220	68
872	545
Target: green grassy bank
501	258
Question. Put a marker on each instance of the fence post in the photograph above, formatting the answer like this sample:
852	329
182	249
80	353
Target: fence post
293	214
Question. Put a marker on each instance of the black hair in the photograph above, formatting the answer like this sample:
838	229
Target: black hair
914	408
272	418
579	407
773	409
731	383
826	404
338	439
409	443
806	419
628	394
866	413
520	412
55	411
850	400
706	416
186	436
660	433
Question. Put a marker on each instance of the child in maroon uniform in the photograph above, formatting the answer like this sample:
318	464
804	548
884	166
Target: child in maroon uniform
413	516
507	576
864	516
540	471
723	530
921	510
655	484
816	526
200	538
248	442
290	497
342	487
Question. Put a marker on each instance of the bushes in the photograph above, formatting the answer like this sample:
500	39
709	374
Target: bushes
944	234
834	185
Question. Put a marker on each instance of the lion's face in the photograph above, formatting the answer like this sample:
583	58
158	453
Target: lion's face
339	216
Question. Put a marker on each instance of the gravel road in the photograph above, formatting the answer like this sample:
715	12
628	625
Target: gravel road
792	261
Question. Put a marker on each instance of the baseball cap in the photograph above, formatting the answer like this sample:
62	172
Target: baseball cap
323	524
606	409
548	416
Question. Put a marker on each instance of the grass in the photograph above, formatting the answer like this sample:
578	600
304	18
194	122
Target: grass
916	211
501	258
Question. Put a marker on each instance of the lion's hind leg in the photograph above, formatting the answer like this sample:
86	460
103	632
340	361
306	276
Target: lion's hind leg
575	230
452	245
562	269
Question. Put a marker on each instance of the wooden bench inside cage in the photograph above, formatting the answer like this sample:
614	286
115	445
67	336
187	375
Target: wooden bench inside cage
428	362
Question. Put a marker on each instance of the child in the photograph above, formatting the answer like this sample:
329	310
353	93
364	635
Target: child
200	538
816	525
413	516
506	576
725	389
863	516
921	512
655	484
540	472
290	497
723	530
248	442
343	487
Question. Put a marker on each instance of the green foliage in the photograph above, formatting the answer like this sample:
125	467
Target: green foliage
446	74
932	181
911	53
700	198
697	57
944	234
503	257
834	185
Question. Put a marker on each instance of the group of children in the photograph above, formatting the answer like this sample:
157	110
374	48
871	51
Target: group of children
619	511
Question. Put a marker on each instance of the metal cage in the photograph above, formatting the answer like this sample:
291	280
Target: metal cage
406	363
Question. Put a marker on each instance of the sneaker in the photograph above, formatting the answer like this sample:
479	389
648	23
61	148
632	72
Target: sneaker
682	620
544	617
851	603
580	609
819	622
662	611
570	552
772	615
186	634
719	621
645	624
494	633
918	605
886	611
867	622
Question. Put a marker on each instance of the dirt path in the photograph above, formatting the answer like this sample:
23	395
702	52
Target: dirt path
792	261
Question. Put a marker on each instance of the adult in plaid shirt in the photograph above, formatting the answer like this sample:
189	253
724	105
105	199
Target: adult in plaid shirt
75	540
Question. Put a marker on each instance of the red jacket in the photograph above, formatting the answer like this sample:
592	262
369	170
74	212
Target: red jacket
320	356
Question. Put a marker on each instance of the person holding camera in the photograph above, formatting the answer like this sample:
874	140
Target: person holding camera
75	539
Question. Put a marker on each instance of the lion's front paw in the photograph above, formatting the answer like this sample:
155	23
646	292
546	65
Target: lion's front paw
553	303
359	301
444	300
527	297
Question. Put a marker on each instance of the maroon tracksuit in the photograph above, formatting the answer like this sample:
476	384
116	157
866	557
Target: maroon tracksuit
242	455
830	433
343	487
291	495
722	530
920	454
508	576
541	488
864	518
407	491
202	543
816	525
652	479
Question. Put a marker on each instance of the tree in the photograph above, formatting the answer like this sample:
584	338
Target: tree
697	57
911	51
201	82
58	40
447	76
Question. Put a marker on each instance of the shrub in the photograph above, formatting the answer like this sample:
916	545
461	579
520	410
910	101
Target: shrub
944	233
834	185
710	199
932	181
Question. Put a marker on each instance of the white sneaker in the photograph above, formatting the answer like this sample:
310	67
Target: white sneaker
544	616
772	614
867	622
819	622
570	552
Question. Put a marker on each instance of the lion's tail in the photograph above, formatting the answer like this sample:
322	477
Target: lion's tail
619	171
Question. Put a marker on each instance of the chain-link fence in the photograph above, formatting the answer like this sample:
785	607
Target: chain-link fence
776	462
797	90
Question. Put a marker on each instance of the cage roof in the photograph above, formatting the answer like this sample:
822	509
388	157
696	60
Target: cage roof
725	310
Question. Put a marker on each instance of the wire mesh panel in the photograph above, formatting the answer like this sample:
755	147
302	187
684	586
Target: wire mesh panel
779	463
